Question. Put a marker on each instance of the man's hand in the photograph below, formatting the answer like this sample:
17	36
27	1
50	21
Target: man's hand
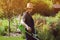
29	29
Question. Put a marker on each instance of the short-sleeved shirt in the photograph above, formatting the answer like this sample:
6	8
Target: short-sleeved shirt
27	18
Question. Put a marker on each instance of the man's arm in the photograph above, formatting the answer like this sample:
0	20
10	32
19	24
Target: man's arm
25	25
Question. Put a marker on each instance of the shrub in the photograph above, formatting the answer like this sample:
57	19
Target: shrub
43	29
2	30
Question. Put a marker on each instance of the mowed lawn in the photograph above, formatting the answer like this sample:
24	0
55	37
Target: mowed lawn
11	38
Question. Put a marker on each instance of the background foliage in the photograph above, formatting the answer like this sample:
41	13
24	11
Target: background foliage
44	15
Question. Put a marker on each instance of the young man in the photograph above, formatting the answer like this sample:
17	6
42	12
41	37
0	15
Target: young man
28	22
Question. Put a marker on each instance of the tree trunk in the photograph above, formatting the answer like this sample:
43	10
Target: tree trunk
9	28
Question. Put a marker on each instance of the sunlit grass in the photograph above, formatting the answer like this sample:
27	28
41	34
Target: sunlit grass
11	38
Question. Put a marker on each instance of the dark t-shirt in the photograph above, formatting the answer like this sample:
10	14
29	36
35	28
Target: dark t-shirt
28	20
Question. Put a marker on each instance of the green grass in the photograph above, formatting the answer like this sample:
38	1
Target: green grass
11	38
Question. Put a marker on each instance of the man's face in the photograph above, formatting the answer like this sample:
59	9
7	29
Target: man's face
29	9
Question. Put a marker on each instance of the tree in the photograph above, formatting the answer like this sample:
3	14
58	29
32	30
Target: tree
11	8
44	7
